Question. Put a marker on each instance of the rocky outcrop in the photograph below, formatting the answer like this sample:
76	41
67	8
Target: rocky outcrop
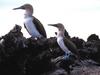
28	56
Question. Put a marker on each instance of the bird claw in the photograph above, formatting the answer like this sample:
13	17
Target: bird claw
67	56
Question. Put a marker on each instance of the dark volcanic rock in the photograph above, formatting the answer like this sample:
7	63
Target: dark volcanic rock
93	37
29	56
21	56
78	42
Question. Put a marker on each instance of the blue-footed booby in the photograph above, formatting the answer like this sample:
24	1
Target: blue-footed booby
64	43
31	23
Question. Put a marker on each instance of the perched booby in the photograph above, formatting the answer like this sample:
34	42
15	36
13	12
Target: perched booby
64	43
31	23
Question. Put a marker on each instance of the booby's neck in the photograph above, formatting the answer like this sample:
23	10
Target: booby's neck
61	33
28	13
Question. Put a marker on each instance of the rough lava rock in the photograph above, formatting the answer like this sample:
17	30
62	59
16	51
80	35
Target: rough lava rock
29	56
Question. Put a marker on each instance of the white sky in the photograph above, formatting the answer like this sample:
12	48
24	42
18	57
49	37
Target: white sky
80	17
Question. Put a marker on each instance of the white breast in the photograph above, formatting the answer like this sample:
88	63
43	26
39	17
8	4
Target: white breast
60	42
31	27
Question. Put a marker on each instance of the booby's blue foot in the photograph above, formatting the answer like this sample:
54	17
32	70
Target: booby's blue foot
67	56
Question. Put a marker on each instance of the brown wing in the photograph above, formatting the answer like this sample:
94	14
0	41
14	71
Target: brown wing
39	27
71	46
66	34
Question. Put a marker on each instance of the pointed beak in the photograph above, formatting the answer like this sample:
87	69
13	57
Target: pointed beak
55	25
21	7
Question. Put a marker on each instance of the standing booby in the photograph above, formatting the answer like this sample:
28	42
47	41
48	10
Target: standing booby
31	23
64	43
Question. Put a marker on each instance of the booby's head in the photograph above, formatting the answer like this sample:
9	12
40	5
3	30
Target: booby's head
27	7
58	25
61	29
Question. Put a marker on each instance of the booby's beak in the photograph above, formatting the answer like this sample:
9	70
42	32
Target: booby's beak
55	25
21	7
